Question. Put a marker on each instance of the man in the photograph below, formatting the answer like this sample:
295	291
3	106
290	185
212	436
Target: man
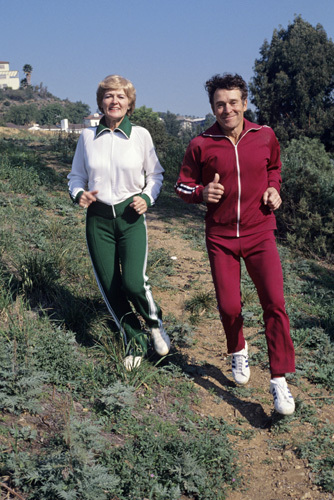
234	167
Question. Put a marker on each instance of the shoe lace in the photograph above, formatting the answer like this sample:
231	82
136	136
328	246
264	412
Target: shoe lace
240	361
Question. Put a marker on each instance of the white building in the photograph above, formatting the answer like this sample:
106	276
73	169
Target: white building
92	120
8	78
190	123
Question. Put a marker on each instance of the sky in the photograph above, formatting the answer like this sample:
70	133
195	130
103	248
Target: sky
167	48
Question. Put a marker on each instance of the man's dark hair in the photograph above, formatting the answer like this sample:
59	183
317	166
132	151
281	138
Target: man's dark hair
226	81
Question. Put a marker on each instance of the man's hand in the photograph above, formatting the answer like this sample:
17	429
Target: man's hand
213	191
139	205
87	198
271	198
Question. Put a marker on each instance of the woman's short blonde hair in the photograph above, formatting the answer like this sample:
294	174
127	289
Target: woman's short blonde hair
116	82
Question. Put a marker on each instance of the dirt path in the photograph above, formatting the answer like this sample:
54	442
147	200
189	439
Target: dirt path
270	467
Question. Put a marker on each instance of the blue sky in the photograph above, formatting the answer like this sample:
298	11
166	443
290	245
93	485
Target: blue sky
167	48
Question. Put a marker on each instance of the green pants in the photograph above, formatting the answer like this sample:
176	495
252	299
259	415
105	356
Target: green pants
117	244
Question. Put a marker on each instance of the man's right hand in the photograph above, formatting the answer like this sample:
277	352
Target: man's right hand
213	191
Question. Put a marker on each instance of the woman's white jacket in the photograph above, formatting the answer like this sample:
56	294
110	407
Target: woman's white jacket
118	164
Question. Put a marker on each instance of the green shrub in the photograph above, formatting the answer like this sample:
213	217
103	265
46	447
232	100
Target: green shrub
306	218
39	273
319	452
67	469
21	178
117	400
64	145
56	353
199	464
20	386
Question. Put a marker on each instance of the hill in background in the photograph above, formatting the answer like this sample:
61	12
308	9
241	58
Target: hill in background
35	104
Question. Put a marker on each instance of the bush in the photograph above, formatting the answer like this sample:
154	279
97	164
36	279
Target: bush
22	114
306	216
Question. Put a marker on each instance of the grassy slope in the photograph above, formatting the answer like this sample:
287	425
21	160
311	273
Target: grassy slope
74	424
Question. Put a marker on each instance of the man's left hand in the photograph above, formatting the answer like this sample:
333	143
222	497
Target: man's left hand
271	198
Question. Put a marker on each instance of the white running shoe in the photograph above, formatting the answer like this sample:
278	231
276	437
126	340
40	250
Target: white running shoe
161	340
283	400
240	368
131	362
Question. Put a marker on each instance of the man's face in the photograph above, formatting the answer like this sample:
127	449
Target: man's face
229	108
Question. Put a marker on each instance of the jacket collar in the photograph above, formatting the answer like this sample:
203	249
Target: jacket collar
125	127
216	131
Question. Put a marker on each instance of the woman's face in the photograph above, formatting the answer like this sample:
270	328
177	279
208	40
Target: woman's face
115	105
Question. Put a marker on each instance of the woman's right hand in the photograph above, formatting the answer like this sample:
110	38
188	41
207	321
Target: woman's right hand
87	198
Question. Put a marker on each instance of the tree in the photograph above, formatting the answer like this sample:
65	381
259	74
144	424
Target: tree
170	149
209	120
22	114
294	83
250	115
150	119
27	70
76	111
306	217
51	114
172	124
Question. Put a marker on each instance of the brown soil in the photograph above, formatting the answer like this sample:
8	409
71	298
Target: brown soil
271	470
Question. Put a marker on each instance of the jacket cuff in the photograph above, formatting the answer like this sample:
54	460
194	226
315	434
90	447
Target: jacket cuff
77	197
147	199
275	185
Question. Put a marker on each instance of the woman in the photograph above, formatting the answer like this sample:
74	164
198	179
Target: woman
117	176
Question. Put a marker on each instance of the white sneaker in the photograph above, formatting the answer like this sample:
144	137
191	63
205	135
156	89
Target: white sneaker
131	362
161	340
283	400
240	368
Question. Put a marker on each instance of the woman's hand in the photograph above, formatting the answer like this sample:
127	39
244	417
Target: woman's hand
87	198
139	205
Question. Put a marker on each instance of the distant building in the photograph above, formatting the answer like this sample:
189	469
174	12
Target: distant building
92	120
8	79
190	123
64	126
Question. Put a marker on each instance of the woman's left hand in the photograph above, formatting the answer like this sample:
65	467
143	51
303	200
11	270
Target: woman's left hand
139	205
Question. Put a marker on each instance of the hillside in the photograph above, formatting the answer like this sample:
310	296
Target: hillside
37	104
74	424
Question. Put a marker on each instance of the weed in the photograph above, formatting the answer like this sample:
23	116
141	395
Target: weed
196	236
182	334
117	400
56	353
199	304
159	267
38	273
318	450
20	387
199	464
64	146
69	467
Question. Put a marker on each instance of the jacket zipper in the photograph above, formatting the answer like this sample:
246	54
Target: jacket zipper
239	183
111	163
238	172
239	190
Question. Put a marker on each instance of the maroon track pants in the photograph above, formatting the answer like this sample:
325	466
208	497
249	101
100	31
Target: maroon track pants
263	264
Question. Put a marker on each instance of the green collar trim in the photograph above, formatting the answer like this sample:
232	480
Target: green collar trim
125	127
